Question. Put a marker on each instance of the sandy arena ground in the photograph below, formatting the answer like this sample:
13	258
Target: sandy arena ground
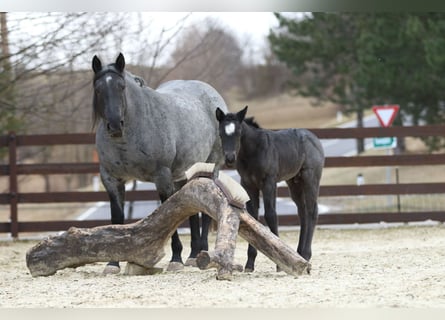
384	267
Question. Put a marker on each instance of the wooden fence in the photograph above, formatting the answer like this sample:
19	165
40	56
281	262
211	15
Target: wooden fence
13	198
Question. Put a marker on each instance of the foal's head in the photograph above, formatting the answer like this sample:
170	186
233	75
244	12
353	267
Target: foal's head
230	133
109	101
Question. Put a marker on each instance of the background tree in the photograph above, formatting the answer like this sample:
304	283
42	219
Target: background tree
44	52
8	120
361	59
321	51
209	53
264	79
402	62
41	87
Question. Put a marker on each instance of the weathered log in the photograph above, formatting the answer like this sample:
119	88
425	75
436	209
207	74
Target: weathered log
266	242
259	236
142	243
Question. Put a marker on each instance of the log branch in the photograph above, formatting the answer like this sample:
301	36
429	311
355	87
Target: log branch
142	243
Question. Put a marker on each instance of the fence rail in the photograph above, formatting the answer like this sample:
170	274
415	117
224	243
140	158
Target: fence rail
13	169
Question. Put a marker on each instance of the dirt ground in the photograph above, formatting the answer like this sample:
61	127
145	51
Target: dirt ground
393	267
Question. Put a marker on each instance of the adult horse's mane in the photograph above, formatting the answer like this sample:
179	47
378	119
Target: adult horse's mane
251	122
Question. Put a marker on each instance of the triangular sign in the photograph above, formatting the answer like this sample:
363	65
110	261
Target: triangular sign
386	114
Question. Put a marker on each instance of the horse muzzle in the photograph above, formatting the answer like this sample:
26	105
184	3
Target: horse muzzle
230	159
115	129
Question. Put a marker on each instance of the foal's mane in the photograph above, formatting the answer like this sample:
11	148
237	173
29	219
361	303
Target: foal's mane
251	122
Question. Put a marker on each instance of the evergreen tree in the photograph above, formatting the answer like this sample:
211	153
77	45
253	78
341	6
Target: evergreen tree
362	59
321	50
402	61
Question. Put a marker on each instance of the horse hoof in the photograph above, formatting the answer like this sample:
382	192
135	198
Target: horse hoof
136	270
309	268
224	276
237	267
191	262
175	266
248	270
110	269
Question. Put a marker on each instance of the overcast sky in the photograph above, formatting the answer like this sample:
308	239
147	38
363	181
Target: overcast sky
251	28
254	24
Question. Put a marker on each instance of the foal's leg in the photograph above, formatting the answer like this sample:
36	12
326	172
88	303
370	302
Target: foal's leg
304	192
252	208
116	193
270	203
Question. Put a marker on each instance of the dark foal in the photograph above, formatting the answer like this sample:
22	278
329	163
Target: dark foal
265	157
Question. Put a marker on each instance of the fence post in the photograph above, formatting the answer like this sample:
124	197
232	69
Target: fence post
13	189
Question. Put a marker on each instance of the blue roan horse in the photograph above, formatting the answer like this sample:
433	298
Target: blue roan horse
153	135
263	158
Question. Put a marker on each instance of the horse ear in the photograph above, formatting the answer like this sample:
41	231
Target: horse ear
219	114
241	114
120	62
97	65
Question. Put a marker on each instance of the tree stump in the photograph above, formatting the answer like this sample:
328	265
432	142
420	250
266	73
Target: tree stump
142	243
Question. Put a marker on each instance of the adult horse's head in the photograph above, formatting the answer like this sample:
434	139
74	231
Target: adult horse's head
230	130
109	103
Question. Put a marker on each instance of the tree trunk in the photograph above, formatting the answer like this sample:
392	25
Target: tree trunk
142	243
5	45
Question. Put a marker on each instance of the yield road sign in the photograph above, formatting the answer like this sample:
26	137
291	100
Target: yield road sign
386	114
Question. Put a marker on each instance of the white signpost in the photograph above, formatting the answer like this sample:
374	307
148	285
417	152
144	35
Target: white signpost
386	115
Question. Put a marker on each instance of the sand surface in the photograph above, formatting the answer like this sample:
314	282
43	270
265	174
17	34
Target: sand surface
384	267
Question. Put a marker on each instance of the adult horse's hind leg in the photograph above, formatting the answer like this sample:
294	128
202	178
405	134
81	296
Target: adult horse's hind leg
304	191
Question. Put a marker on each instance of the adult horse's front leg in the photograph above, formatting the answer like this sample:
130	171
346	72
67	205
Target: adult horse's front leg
198	239
116	193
